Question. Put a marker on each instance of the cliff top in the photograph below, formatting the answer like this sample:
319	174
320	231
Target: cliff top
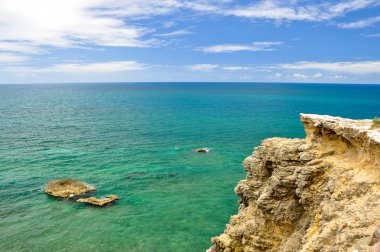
341	125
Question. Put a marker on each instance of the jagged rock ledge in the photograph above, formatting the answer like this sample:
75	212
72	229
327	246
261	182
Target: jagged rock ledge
321	193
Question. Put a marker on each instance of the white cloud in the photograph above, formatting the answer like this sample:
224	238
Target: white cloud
362	67
70	23
29	27
11	58
229	68
353	68
203	67
238	68
350	5
29	24
75	23
264	9
175	33
255	46
360	24
272	10
373	35
18	47
201	6
293	10
98	67
168	24
138	8
306	77
337	77
299	75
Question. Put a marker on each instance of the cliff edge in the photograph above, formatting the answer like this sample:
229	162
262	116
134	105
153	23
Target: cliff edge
321	193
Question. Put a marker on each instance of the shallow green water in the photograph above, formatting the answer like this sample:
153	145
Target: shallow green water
135	140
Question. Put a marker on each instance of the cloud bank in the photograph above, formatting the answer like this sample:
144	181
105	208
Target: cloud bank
83	68
254	47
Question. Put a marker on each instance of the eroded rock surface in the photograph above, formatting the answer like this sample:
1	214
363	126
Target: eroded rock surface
321	193
99	202
67	188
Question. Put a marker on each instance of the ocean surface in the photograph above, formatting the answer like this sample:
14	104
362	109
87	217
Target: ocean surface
135	140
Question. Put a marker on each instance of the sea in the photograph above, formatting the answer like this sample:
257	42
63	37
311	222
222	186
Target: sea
135	140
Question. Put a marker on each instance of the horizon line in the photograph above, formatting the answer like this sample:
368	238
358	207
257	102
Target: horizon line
188	82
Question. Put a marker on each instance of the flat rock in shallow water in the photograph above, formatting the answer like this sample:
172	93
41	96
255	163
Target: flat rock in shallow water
67	188
99	202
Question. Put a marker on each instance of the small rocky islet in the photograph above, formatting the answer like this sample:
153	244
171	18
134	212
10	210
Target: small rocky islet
202	150
99	202
73	189
79	191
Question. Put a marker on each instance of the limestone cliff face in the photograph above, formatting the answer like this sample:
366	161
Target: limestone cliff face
321	193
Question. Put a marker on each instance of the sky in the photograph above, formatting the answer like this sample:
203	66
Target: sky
65	41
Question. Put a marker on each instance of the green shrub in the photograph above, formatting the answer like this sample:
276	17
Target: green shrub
376	122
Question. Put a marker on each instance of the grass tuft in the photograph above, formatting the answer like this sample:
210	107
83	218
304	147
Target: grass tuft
376	123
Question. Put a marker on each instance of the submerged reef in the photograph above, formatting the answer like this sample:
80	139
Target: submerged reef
73	189
321	193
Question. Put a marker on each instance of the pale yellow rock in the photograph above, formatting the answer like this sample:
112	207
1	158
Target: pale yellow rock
67	188
321	193
99	202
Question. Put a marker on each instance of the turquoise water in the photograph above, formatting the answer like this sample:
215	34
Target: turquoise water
135	140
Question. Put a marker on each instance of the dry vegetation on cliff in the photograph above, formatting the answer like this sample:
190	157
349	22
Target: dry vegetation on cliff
376	123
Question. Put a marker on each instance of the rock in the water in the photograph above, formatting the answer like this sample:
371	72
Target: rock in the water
67	188
99	202
202	150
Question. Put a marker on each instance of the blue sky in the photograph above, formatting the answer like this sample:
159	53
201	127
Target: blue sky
53	41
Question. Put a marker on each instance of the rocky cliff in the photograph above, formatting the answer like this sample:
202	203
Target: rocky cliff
321	193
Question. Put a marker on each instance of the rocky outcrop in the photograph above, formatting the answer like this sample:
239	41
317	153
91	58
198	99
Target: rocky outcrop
73	189
202	150
67	188
321	193
99	202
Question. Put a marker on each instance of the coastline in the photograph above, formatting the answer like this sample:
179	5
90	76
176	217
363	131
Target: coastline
320	193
